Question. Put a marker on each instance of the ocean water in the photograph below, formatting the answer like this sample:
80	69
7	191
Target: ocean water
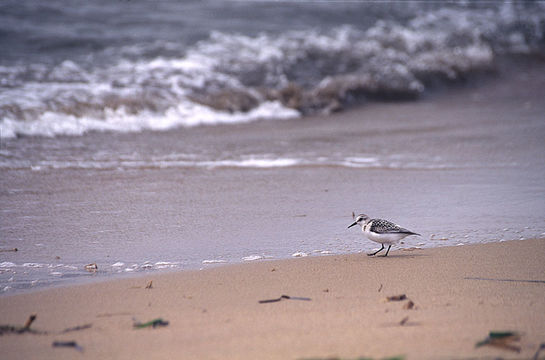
69	69
148	135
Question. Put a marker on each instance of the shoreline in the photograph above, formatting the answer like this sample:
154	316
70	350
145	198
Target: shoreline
366	246
471	148
215	314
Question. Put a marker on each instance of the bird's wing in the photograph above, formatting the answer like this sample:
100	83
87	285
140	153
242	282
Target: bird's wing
381	226
406	231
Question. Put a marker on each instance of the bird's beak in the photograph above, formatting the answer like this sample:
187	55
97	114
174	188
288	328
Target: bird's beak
355	223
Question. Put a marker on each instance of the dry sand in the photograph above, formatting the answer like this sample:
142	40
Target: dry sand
215	313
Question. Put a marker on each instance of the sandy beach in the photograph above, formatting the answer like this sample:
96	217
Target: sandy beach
207	168
459	295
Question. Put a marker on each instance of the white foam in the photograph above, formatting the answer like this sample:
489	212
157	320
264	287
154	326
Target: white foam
166	265
189	114
257	161
185	114
33	265
254	162
253	258
214	261
323	252
299	254
131	268
360	162
389	57
7	264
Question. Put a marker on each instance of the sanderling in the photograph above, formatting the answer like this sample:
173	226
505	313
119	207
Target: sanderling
381	231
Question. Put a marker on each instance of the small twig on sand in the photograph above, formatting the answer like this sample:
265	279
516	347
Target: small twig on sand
396	297
287	297
29	322
409	305
9	250
77	328
67	344
13	329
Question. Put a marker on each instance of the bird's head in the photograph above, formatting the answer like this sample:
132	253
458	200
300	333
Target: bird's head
360	220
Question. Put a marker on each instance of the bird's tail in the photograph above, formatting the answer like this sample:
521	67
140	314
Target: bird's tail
409	232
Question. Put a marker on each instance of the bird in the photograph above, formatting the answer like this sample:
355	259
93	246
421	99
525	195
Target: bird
381	231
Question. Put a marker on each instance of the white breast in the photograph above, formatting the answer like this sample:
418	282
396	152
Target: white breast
382	238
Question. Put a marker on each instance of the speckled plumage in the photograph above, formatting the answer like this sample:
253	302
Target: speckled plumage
381	231
381	226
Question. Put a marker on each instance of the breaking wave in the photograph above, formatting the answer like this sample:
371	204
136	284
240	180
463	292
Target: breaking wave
233	78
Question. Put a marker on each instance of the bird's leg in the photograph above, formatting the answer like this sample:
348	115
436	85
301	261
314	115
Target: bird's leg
376	252
387	250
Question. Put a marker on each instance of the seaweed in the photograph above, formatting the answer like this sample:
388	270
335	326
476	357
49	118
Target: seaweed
152	323
501	339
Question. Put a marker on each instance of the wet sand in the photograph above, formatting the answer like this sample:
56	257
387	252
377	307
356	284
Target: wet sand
460	294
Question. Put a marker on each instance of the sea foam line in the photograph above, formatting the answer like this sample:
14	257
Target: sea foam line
243	162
